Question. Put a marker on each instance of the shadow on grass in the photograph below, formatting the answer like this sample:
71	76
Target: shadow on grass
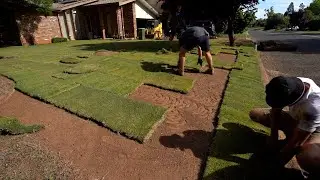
237	140
231	144
195	140
127	46
164	67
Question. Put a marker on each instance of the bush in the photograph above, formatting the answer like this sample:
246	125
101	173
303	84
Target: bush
277	21
59	40
314	25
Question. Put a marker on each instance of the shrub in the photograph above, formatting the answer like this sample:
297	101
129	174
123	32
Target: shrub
314	25
59	40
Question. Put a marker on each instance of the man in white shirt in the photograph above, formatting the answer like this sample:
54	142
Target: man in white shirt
300	124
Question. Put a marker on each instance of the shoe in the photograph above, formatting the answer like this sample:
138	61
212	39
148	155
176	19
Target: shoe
209	71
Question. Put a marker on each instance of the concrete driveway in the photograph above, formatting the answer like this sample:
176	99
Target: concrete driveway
305	62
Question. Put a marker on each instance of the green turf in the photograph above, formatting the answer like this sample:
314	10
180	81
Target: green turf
11	126
133	118
237	137
70	60
48	72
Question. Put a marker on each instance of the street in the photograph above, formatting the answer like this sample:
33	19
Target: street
305	62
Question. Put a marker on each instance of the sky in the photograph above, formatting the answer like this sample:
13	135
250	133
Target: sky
280	6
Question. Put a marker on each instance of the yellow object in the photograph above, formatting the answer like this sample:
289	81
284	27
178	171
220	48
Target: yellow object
155	33
158	32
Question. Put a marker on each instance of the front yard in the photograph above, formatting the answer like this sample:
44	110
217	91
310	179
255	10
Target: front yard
85	79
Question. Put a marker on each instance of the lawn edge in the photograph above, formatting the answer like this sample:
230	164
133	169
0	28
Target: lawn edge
155	126
216	122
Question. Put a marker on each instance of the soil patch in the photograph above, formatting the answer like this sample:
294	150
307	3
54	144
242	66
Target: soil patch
6	88
23	158
105	53
176	149
276	46
226	57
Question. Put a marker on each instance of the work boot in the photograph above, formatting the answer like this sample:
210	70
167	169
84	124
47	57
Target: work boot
209	71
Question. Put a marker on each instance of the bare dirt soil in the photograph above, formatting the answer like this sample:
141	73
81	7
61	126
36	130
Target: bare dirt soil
6	88
230	58
175	150
23	158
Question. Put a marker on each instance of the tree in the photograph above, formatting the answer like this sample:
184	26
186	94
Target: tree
290	9
243	20
275	20
302	7
225	10
315	7
41	6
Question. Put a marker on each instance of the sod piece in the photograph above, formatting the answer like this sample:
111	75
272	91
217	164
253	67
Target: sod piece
134	119
237	137
70	60
81	69
11	126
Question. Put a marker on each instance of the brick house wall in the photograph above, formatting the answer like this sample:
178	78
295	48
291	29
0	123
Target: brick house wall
130	22
37	29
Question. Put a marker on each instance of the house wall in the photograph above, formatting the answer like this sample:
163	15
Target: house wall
130	22
37	29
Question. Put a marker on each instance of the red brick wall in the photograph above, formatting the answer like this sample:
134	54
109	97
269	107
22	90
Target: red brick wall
130	22
37	29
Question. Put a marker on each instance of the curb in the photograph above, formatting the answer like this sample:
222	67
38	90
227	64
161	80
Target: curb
264	75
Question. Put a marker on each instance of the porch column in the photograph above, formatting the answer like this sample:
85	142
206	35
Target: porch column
119	22
68	15
102	23
62	24
135	29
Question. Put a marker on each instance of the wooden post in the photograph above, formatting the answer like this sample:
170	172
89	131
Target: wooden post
68	15
123	29
102	23
119	22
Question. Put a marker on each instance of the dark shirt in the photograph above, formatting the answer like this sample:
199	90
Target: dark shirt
194	32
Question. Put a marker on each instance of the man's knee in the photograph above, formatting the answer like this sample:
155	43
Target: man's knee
256	114
309	158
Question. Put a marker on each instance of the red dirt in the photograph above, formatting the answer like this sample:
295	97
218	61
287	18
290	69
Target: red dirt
6	89
105	53
175	150
230	58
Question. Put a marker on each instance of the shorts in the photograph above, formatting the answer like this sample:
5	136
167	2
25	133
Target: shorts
189	44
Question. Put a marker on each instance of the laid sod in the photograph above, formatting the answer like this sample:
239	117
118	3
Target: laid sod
11	126
97	87
70	60
237	137
118	113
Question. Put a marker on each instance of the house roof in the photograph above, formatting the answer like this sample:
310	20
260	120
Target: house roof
72	4
75	3
120	2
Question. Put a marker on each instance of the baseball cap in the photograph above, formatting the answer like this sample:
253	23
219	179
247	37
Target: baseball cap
282	91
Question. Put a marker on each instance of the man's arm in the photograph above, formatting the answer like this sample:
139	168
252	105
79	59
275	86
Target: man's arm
275	113
299	138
